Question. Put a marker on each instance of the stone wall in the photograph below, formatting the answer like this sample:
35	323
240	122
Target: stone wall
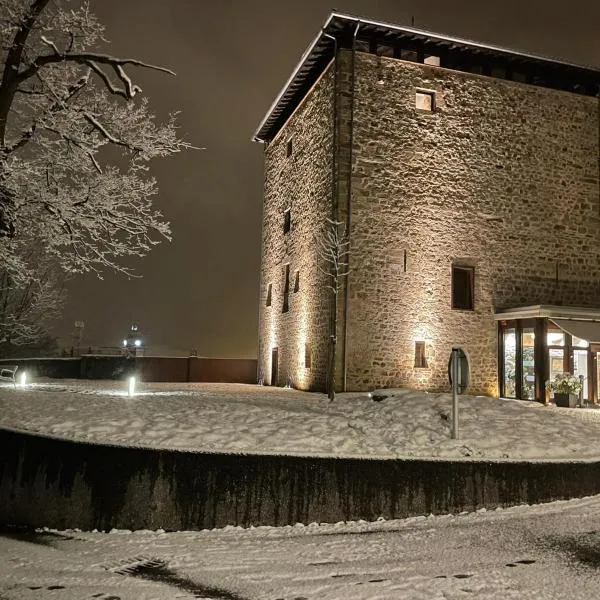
59	484
502	176
302	183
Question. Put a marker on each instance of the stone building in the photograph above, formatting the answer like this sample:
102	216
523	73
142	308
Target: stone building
467	177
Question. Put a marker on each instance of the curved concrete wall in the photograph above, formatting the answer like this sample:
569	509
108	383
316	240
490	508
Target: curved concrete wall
61	484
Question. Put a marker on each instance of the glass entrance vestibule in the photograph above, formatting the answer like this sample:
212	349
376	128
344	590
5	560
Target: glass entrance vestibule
537	343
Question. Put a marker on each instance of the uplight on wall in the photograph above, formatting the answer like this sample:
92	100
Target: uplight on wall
131	388
23	379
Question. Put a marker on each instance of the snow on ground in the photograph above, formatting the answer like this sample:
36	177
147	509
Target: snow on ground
543	552
256	419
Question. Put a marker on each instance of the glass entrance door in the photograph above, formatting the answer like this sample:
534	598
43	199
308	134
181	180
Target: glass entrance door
594	378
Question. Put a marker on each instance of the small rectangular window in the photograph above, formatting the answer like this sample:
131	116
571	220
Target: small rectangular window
287	220
434	61
463	290
269	294
286	289
307	356
420	358
297	282
425	100
289	148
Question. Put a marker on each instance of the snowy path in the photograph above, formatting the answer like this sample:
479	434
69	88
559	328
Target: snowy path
255	419
544	552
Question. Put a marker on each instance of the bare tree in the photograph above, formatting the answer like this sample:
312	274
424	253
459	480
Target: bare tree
333	245
62	106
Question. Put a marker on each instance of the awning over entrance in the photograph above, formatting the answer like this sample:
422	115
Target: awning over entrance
586	330
549	311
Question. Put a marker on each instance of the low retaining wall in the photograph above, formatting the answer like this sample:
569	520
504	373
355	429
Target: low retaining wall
147	368
61	484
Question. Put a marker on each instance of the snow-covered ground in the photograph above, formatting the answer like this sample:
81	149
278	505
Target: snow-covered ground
255	419
543	552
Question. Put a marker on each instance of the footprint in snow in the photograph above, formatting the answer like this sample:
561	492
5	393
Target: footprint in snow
525	561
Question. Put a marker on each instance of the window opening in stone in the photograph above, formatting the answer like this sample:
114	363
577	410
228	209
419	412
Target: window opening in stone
307	356
297	282
425	100
289	148
463	288
287	220
286	289
420	358
269	294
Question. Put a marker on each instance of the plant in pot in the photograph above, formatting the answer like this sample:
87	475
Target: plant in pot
566	388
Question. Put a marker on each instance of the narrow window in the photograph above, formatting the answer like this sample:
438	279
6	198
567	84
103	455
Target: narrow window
269	294
289	148
287	220
286	289
425	100
463	288
297	282
432	60
307	356
420	358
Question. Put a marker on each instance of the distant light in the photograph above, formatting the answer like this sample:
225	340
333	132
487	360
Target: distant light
124	342
23	380
132	386
138	342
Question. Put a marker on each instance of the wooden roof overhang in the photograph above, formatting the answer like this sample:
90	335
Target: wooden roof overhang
458	54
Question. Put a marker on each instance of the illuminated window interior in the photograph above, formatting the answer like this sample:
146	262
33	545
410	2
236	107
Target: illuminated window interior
432	60
425	100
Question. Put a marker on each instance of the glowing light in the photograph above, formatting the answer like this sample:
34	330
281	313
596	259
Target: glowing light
124	342
138	342
23	379
131	390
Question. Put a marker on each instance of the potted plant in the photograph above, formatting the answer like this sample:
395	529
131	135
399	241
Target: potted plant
566	388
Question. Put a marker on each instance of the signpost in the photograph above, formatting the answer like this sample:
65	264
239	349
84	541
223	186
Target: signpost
454	374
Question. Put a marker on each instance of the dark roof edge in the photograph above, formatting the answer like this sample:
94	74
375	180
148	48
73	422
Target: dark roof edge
410	30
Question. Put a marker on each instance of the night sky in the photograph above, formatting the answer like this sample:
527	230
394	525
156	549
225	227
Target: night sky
232	57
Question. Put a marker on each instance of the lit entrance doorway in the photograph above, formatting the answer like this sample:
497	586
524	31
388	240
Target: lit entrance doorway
536	343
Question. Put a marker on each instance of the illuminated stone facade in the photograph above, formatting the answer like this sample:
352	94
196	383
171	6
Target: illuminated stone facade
301	183
501	176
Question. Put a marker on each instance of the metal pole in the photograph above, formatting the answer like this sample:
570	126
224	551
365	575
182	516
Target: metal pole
454	371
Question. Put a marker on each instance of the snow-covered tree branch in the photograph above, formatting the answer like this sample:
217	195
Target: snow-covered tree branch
29	303
62	107
333	250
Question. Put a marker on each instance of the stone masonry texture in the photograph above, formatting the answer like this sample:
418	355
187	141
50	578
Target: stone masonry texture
502	177
301	183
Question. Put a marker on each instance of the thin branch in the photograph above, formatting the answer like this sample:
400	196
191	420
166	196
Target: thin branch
111	138
87	58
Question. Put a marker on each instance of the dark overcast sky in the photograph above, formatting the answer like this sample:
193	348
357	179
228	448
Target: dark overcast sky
232	57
